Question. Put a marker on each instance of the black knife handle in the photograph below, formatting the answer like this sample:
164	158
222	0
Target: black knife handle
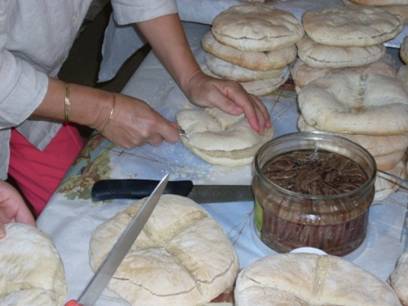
135	188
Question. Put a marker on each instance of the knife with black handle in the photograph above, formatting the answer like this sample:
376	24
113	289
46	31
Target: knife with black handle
139	188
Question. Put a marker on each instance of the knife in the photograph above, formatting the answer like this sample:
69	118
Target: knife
119	250
139	188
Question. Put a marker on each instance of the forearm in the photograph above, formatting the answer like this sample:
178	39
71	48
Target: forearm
88	106
166	36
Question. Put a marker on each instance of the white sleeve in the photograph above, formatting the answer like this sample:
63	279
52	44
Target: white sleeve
131	11
22	87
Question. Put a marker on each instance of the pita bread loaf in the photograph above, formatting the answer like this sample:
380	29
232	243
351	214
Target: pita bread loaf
351	27
381	2
31	271
182	257
264	61
259	27
220	138
303	74
356	103
257	87
309	279
399	279
233	72
265	87
398	10
387	150
323	56
404	50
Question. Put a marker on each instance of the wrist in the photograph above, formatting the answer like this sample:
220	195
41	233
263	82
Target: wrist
89	106
186	83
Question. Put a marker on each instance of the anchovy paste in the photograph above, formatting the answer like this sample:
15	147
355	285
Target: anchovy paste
320	202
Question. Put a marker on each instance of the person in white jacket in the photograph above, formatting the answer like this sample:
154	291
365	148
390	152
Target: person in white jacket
35	39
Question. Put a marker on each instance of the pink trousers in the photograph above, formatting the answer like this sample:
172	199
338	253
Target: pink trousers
38	173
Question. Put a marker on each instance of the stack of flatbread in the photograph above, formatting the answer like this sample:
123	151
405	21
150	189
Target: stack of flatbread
340	38
347	87
395	7
252	44
368	108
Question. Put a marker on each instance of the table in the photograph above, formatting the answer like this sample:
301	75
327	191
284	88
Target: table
71	216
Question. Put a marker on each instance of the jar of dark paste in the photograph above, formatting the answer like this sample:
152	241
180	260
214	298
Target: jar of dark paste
313	189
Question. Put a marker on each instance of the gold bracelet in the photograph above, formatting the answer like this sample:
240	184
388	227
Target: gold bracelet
67	102
110	117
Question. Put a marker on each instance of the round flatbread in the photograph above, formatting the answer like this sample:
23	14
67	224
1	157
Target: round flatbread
257	87
387	150
182	257
303	74
31	271
398	10
220	138
265	87
309	279
399	279
404	50
249	59
323	56
260	27
233	72
348	27
356	103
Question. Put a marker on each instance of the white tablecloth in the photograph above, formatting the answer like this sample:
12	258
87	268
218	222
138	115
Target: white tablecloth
71	217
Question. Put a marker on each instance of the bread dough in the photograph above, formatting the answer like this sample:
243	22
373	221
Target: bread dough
303	74
31	271
399	279
309	279
220	138
182	257
356	103
351	27
259	27
323	56
252	60
233	72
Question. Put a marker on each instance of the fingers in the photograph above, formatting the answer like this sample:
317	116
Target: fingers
263	110
168	131
255	111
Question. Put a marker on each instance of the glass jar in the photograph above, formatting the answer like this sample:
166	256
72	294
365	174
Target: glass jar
335	223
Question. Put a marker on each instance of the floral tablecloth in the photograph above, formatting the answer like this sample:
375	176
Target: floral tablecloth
71	216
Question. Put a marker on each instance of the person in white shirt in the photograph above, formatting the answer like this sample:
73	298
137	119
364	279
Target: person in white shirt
35	38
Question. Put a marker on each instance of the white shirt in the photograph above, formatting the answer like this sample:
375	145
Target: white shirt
35	39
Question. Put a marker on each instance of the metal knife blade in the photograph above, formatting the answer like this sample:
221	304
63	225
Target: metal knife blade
139	188
108	267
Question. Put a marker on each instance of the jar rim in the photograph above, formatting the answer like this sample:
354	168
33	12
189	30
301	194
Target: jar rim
316	136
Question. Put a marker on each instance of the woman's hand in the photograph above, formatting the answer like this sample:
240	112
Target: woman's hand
12	208
134	123
230	97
